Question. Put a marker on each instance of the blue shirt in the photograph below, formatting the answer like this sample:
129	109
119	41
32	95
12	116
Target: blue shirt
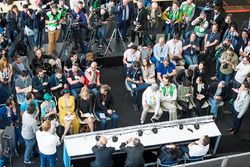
4	119
165	70
25	105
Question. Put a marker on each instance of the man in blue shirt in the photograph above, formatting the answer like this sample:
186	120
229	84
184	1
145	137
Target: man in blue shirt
165	68
29	98
135	82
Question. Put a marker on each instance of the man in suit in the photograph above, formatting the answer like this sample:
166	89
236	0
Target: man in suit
102	153
124	12
134	149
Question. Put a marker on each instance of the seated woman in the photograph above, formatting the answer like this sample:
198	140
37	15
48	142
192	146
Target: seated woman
200	92
200	70
169	154
67	115
184	97
148	71
48	108
85	108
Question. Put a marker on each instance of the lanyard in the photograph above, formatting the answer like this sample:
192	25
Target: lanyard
139	11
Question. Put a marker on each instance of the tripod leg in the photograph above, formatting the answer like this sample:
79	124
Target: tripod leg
120	35
110	40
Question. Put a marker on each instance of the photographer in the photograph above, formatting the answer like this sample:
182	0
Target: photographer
139	23
229	60
102	18
78	21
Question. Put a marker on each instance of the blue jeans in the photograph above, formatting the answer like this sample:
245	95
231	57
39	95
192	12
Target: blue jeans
225	77
75	92
217	69
50	158
101	34
214	106
155	61
169	29
29	144
37	37
236	121
139	87
103	123
191	59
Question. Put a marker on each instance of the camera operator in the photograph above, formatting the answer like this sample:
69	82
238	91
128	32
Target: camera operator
79	21
3	41
139	23
53	21
103	19
124	12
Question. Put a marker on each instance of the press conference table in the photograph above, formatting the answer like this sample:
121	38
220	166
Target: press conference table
79	146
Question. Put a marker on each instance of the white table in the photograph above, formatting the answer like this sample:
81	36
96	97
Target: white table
79	146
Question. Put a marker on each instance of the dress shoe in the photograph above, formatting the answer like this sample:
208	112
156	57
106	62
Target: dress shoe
232	132
153	120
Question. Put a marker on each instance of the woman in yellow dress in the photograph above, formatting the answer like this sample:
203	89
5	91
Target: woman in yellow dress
67	115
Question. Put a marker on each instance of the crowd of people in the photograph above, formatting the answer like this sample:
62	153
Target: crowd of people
168	75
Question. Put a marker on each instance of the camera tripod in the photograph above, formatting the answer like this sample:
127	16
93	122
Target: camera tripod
66	41
114	33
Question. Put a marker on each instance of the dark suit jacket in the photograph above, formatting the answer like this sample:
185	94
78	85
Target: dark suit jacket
212	90
119	12
134	155
103	156
203	90
219	20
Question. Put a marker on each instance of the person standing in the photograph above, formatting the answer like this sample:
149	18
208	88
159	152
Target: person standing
29	129
102	153
240	106
134	149
53	21
47	144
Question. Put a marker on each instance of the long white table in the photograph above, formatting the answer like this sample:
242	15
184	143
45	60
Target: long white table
79	146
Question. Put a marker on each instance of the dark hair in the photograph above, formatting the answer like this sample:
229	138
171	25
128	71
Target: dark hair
16	56
58	70
176	36
201	79
53	6
31	108
246	84
134	47
29	95
9	101
24	73
39	69
173	152
187	83
137	64
25	6
73	53
230	49
80	2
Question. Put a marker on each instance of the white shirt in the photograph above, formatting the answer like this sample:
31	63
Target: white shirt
151	98
174	48
197	150
242	71
131	57
47	142
160	52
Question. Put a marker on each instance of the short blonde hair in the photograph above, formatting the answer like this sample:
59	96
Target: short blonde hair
46	125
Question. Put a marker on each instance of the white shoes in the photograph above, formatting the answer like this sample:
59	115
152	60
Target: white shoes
130	44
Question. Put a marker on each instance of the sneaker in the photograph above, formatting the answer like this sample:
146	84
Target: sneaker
213	78
28	162
153	120
100	46
130	44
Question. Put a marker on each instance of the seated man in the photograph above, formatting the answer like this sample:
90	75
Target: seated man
20	64
151	103
175	51
57	82
72	59
184	75
104	107
165	68
23	85
197	148
40	84
135	82
92	76
160	52
130	56
168	98
216	94
169	154
75	78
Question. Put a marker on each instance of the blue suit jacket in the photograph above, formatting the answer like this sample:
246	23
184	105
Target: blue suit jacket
119	12
5	120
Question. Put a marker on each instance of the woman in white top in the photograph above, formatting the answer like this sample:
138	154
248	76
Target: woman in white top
47	143
148	71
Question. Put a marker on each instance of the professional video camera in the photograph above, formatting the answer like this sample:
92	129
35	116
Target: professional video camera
94	20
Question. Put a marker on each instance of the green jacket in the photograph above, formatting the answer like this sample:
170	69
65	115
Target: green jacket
53	26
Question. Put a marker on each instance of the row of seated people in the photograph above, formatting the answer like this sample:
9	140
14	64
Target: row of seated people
166	154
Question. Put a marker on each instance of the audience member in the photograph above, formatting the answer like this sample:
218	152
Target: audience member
160	52
200	93
175	51
169	154
130	56
191	48
148	71
166	68
48	108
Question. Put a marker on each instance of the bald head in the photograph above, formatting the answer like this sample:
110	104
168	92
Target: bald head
125	2
103	141
154	5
